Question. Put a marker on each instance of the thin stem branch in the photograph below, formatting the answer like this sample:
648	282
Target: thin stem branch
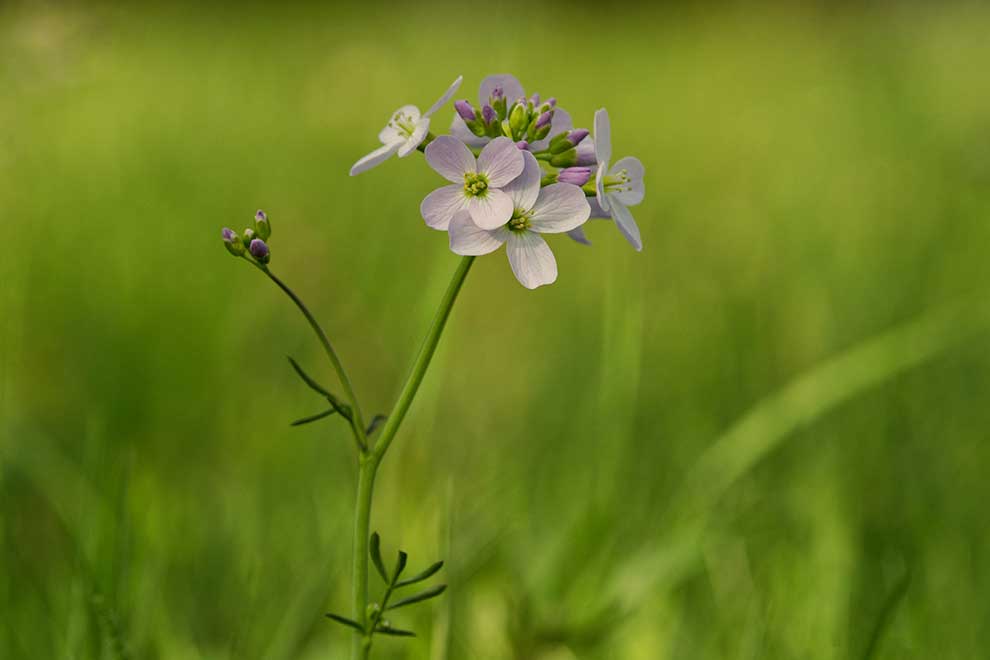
426	352
357	423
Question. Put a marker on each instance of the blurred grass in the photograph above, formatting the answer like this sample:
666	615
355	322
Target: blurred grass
818	182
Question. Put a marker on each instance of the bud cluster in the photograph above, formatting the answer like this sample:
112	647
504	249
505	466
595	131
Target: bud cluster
525	120
251	241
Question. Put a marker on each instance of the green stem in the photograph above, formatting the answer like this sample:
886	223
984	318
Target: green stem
369	463
357	423
426	352
361	645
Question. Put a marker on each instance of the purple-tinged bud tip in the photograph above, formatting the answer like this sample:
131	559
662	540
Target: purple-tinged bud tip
465	110
229	235
535	100
497	93
544	119
488	114
259	249
552	101
577	176
574	137
260	216
522	145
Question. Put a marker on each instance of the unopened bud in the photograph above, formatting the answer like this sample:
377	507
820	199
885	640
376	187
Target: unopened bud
262	226
567	140
247	236
522	145
499	102
488	115
232	242
564	159
577	176
465	110
518	120
535	100
259	250
576	136
552	102
540	128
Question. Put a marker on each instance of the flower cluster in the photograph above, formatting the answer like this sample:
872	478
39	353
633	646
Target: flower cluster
250	242
517	169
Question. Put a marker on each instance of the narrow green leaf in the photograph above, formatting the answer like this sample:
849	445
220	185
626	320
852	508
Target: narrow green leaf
376	421
374	547
306	379
432	592
314	418
400	565
388	630
419	577
344	621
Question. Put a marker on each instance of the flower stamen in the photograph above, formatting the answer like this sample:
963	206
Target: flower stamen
475	184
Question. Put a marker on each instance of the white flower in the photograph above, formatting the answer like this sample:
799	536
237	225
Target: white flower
619	187
557	208
506	86
404	132
477	184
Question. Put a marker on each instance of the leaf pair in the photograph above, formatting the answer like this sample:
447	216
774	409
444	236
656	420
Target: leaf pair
376	624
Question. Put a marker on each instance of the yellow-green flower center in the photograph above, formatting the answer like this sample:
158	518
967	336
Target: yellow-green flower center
475	184
519	221
403	123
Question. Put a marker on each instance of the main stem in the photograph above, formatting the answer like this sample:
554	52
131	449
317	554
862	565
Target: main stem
371	460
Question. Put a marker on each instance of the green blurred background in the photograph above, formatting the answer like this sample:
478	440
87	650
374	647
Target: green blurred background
765	436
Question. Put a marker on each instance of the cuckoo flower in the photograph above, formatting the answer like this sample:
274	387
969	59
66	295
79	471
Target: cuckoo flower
477	184
557	208
404	132
620	186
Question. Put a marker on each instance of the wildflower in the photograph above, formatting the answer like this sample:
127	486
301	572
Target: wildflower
405	131
557	208
476	184
619	187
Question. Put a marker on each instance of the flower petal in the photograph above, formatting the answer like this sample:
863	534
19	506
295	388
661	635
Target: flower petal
414	140
596	210
600	186
626	224
577	234
603	137
560	207
391	132
467	238
561	122
526	187
446	97
531	259
491	211
460	131
450	158
501	161
636	189
510	88
441	205
376	157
